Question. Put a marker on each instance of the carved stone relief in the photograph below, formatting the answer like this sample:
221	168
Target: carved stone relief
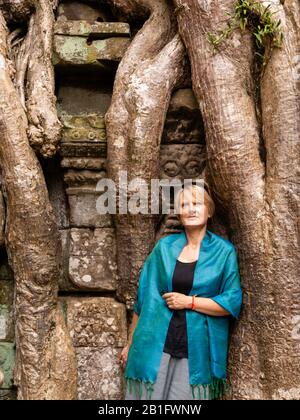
99	332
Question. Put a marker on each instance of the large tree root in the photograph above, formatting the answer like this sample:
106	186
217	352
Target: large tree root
45	360
260	197
280	305
34	75
146	76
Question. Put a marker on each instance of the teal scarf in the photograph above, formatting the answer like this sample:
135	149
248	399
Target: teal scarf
217	277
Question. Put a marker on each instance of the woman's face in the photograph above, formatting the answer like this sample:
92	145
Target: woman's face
193	211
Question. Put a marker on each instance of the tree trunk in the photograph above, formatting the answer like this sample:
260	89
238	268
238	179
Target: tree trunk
259	205
280	100
252	163
45	360
150	69
44	126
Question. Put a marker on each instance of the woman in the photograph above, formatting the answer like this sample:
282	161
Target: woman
188	289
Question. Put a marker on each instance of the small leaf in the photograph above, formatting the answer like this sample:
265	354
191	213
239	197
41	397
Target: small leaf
266	9
258	37
259	54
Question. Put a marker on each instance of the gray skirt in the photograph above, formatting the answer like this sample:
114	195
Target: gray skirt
172	383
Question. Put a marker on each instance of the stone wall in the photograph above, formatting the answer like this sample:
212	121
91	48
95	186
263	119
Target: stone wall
7	349
88	45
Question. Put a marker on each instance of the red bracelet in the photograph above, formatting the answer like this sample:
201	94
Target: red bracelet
193	302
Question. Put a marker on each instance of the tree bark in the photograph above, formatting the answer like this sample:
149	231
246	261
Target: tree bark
151	68
32	59
223	86
252	162
280	100
45	360
254	200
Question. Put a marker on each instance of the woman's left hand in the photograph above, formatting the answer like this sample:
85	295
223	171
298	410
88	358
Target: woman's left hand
176	300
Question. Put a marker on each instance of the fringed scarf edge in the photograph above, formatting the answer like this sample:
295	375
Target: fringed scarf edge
136	385
214	390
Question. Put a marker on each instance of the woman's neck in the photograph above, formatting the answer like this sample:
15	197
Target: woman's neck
194	235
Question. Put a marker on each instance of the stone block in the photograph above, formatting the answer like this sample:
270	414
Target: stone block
6	292
92	263
84	163
83	211
75	50
83	178
87	128
96	30
98	330
96	322
182	161
6	303
6	323
100	375
7	360
83	149
82	101
184	123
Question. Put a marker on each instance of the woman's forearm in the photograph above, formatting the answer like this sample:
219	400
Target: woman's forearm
134	321
208	306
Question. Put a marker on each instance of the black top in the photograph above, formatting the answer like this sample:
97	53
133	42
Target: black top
176	343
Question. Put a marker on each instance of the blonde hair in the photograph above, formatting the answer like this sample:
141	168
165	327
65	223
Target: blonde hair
208	201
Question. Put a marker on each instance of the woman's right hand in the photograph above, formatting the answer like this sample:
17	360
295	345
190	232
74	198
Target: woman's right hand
124	356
